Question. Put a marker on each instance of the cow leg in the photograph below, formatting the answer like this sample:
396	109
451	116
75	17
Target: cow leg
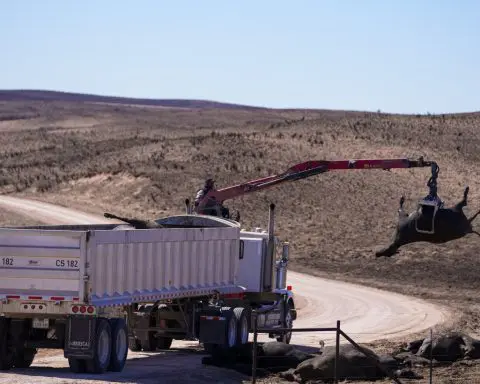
387	251
470	220
401	211
463	203
391	249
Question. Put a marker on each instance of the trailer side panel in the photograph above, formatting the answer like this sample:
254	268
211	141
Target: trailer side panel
148	265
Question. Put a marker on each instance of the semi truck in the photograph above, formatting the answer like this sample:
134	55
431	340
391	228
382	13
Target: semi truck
97	291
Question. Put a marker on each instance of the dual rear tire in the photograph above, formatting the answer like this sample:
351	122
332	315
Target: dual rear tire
10	356
7	357
151	343
110	349
236	330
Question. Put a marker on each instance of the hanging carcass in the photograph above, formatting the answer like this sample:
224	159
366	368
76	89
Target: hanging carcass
431	222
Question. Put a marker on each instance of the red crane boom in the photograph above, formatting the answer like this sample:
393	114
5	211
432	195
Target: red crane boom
302	171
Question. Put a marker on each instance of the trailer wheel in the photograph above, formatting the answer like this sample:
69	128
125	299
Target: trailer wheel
25	358
162	341
150	344
6	350
102	347
120	343
285	338
147	319
134	344
241	317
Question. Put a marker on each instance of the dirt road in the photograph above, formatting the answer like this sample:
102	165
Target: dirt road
366	314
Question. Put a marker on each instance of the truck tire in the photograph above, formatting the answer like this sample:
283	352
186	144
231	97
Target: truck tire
6	350
102	347
24	357
118	356
231	330
241	316
285	338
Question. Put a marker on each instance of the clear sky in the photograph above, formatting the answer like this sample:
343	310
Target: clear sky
407	56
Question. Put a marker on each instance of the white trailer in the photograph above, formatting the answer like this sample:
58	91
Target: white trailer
96	291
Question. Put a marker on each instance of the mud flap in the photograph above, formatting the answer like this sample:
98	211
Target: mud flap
425	222
79	337
213	329
214	323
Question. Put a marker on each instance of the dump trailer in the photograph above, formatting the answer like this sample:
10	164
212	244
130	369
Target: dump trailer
96	291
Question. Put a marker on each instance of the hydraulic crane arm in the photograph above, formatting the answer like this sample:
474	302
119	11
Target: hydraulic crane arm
312	168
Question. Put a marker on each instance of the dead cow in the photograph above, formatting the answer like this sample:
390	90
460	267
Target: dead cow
450	347
136	223
431	224
353	364
273	357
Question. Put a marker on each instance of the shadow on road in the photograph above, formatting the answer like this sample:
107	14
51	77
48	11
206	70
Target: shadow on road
181	365
176	365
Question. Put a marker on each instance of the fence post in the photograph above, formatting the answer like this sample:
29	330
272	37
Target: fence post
431	355
337	351
255	349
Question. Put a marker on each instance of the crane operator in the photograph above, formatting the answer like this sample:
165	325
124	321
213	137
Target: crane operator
207	205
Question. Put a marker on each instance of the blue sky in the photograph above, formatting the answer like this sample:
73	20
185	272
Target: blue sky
401	56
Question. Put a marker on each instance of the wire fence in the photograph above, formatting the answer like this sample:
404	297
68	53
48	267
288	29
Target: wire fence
451	360
338	332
